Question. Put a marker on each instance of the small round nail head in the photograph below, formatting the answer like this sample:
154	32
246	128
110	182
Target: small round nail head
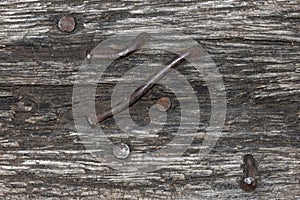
121	151
163	104
66	24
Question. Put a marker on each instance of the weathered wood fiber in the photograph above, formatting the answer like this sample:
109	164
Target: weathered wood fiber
255	46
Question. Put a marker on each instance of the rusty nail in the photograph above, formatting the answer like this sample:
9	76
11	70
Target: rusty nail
121	151
248	181
144	88
66	24
163	104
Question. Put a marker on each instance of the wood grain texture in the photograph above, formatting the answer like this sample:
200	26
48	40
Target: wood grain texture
255	46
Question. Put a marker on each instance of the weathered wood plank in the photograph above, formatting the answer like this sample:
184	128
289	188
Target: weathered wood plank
255	46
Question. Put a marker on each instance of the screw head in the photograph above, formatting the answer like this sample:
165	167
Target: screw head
66	24
163	104
121	151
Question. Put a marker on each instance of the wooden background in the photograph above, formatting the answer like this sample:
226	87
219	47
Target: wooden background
255	46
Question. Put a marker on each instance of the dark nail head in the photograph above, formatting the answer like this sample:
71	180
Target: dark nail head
66	24
163	104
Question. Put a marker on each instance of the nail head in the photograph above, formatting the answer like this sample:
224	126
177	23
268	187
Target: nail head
66	24
163	104
121	151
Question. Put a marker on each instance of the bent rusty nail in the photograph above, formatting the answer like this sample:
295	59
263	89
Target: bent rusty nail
249	181
144	88
137	43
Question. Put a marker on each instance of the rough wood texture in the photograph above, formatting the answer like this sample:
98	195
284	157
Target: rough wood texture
255	46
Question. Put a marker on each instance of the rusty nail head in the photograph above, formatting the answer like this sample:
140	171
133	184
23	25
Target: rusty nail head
121	150
66	24
163	104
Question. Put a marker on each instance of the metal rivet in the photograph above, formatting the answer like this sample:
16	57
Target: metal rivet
121	151
66	24
163	104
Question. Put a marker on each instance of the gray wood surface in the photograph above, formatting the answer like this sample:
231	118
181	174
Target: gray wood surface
255	46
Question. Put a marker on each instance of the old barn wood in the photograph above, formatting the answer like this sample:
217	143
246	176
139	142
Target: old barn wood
255	46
